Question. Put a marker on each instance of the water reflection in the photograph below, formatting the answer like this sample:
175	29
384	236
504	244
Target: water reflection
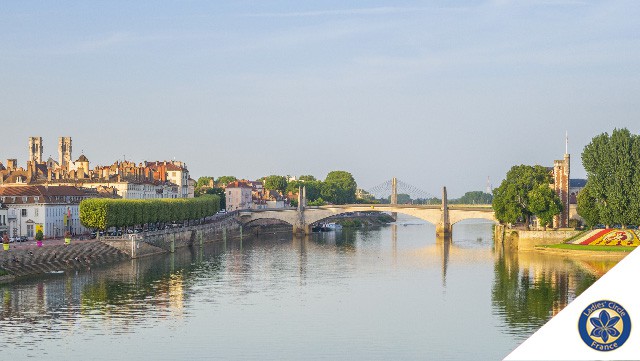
396	288
530	287
120	295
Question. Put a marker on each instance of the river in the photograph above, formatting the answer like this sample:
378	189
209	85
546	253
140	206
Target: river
389	293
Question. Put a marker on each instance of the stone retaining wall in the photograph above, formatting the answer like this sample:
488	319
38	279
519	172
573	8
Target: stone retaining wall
32	261
527	240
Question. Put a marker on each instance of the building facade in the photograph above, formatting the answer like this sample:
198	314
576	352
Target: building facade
52	209
238	195
561	174
4	220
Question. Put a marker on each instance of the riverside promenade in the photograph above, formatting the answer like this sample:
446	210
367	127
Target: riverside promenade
27	259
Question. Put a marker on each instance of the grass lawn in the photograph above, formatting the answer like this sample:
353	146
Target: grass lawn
3	272
580	247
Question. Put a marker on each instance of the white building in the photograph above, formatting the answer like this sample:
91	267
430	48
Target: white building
138	190
4	220
53	209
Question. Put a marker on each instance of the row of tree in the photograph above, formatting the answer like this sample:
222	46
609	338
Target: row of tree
101	213
611	195
472	197
339	187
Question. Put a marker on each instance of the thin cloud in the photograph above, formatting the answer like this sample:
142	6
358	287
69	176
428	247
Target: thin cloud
358	11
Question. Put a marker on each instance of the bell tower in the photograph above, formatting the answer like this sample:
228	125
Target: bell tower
64	152
35	149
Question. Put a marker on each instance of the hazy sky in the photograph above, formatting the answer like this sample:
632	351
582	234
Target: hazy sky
432	92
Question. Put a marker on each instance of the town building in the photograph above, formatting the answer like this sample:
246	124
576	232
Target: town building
122	179
52	209
238	195
4	219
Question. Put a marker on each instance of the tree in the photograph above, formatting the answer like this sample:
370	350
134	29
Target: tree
306	178
224	180
204	182
588	207
339	187
402	199
474	197
544	203
276	182
524	183
613	177
220	193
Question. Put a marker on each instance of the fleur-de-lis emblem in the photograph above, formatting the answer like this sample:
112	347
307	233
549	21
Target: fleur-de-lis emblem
604	326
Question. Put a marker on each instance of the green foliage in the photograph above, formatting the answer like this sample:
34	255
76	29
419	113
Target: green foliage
220	193
276	182
39	236
224	180
473	197
350	223
204	182
544	203
306	178
313	187
101	213
404	198
613	179
316	202
588	208
512	201
339	187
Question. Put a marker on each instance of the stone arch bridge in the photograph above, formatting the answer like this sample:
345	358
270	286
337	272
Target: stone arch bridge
442	216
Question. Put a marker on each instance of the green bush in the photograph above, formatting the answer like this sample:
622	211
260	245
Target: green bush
101	213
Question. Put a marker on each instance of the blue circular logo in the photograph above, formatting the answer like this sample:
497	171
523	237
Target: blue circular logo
604	325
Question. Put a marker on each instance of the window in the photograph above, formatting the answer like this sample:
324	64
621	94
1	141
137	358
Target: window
35	212
24	212
29	230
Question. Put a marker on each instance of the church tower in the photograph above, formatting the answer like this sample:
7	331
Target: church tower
561	173
64	152
35	149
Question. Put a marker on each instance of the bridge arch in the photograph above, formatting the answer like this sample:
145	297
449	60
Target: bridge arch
443	219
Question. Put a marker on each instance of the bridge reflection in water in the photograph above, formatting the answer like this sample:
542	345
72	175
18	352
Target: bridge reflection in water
525	288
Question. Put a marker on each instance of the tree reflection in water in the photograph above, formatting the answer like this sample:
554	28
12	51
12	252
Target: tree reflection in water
530	287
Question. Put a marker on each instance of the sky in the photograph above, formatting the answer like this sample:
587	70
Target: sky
435	93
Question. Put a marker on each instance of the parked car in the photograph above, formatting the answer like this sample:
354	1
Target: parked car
22	239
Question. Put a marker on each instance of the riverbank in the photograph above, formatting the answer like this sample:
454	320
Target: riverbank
590	254
373	219
54	257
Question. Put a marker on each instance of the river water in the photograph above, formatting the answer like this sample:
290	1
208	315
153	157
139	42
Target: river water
389	293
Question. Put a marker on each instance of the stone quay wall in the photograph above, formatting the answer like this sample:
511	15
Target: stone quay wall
165	241
20	262
527	240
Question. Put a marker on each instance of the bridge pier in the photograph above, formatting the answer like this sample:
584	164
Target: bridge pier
443	229
301	229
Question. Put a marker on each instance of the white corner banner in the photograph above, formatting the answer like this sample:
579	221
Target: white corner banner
603	323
